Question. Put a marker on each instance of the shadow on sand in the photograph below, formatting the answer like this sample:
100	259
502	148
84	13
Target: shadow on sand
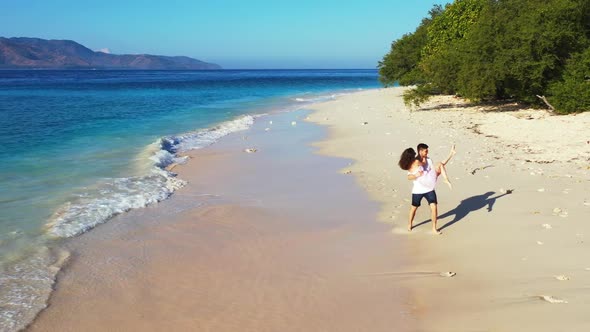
468	205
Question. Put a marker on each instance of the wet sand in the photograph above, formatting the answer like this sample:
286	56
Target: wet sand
275	240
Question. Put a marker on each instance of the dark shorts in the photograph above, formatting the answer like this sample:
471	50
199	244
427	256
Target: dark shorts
430	198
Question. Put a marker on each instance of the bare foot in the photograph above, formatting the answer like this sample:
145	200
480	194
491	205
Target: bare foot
410	228
436	232
453	151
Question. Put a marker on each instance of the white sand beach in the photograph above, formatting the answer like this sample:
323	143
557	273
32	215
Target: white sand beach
286	239
515	226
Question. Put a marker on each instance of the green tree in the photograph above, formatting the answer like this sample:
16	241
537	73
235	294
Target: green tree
400	65
572	93
497	49
441	56
519	46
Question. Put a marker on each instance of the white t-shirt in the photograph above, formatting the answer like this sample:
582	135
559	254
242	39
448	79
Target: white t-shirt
427	181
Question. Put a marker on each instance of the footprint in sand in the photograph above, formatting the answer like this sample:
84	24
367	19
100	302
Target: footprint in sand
551	299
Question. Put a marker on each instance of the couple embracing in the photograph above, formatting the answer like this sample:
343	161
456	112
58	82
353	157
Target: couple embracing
424	173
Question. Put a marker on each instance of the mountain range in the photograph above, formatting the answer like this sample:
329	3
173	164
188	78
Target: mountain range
36	53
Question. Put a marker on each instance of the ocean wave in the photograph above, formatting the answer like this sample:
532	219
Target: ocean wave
111	197
202	138
25	286
321	97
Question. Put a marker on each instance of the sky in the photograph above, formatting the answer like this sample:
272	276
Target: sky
252	34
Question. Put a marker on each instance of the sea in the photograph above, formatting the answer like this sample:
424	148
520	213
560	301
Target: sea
80	147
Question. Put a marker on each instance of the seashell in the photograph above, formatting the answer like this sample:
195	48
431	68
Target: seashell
551	299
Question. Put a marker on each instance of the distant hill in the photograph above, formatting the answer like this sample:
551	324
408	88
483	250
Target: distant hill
36	53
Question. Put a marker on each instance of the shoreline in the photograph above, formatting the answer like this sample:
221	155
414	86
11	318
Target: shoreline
513	229
282	242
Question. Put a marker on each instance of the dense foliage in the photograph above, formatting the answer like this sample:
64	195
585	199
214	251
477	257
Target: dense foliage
401	63
498	49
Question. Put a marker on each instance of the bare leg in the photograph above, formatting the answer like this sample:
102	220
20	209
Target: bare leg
451	154
442	170
411	217
434	217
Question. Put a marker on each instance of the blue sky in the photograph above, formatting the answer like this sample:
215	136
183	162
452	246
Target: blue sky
234	34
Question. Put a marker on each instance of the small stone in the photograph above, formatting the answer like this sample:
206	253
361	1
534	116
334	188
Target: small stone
562	278
448	274
293	123
365	123
250	150
541	190
540	243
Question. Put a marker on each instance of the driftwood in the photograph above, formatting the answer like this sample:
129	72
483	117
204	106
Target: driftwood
546	103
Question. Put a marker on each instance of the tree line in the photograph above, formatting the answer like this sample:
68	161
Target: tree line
533	51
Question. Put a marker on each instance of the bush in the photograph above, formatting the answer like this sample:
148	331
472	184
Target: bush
572	93
419	95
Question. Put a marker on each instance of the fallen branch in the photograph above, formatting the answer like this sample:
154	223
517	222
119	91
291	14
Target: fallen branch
546	103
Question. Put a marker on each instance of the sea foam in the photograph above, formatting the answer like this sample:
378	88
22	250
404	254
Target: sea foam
111	197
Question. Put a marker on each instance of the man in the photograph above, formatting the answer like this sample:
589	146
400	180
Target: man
424	174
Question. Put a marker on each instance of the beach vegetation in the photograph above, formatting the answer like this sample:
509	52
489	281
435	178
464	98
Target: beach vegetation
572	93
400	65
533	51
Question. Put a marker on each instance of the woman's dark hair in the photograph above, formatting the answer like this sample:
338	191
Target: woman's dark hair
407	158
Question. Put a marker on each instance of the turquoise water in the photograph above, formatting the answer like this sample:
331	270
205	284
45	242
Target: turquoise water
78	147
